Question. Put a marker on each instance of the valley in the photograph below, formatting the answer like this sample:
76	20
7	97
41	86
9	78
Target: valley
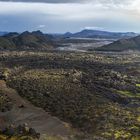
69	88
82	44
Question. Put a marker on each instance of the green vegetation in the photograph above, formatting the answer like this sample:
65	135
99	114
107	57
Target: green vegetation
3	137
138	85
129	94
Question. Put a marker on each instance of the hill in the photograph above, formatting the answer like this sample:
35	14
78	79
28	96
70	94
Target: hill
99	34
122	45
15	112
26	40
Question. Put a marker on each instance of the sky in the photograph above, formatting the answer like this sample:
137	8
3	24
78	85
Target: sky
59	16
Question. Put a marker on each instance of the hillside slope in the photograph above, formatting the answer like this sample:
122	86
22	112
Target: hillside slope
122	45
24	112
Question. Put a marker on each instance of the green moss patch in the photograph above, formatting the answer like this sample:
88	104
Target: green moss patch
128	93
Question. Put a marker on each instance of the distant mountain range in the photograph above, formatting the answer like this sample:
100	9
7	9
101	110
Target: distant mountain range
38	41
3	33
122	45
100	34
26	40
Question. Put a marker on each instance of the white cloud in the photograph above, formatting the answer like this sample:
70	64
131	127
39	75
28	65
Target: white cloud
41	26
93	28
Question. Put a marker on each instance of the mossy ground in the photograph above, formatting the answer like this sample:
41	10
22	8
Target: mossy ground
98	94
3	137
129	94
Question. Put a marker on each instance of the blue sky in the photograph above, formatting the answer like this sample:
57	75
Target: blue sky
69	15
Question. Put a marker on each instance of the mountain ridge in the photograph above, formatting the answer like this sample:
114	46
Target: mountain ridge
26	40
86	33
3	33
122	45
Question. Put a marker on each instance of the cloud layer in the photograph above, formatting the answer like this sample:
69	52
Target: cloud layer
71	1
70	15
47	1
